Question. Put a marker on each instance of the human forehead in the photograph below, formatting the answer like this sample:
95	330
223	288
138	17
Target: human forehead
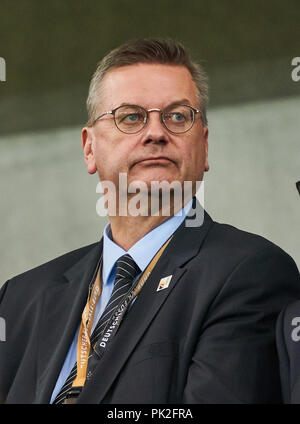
148	85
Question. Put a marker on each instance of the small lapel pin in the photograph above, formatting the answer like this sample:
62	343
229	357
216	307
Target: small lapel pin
164	283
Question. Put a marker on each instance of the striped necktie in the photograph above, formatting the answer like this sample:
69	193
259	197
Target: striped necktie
126	272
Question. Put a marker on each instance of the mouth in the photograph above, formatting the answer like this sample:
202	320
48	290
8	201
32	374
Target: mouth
159	160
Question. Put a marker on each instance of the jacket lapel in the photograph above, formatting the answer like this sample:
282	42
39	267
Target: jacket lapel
183	247
63	306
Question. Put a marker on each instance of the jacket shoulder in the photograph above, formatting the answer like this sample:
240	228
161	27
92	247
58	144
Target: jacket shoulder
51	271
291	311
240	243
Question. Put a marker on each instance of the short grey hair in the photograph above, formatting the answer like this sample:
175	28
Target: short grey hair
156	51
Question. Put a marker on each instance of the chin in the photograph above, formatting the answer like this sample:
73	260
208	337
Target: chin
161	174
159	180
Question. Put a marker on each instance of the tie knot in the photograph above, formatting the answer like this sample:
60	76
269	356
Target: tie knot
126	268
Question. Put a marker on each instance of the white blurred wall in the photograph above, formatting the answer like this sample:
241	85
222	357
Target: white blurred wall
48	200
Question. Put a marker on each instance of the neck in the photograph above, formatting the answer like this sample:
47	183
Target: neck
127	230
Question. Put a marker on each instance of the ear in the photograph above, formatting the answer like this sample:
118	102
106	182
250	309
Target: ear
205	139
87	145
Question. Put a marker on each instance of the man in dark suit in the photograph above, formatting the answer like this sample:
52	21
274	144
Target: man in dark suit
195	322
288	344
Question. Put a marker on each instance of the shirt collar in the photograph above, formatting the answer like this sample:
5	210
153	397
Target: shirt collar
144	249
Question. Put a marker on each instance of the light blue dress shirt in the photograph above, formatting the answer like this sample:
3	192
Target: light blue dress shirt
142	252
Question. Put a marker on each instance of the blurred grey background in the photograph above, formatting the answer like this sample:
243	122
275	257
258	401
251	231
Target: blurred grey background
48	201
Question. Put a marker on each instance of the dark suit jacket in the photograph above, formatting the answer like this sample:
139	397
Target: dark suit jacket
208	338
288	344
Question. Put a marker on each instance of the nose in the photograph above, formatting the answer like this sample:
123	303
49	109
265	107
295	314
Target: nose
154	130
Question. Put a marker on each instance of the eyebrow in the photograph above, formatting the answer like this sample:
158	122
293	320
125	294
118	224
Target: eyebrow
176	102
180	102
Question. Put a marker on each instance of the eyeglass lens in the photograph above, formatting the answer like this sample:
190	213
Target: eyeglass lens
177	118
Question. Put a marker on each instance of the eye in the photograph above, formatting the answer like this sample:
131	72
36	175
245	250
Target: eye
132	118
129	117
177	117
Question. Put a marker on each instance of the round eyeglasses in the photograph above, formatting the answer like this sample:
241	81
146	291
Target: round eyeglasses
130	119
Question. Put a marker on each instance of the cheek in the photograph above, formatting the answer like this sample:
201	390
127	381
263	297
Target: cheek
192	154
194	160
101	158
110	162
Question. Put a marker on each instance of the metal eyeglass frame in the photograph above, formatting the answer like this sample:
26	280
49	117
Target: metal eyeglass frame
161	111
